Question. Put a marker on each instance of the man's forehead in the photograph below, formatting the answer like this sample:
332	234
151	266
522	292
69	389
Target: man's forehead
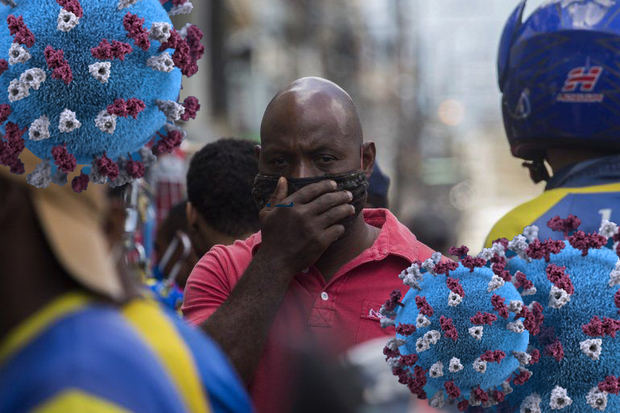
307	114
307	143
294	106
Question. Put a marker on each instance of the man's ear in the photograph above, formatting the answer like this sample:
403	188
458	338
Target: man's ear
192	215
369	152
197	230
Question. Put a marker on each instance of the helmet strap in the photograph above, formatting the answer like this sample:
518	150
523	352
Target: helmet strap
538	170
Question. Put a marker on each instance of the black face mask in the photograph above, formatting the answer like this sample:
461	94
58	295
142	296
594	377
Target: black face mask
354	182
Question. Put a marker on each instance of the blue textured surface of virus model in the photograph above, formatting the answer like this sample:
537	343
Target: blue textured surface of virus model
91	82
578	290
526	325
451	343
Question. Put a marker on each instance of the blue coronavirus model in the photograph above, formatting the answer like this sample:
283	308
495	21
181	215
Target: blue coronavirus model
539	319
91	82
578	289
459	331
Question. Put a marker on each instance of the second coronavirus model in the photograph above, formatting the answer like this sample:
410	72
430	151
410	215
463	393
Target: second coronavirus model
527	325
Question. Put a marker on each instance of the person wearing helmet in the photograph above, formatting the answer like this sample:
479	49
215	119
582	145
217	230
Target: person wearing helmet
560	101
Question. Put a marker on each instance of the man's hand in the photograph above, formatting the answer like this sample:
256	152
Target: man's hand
295	238
292	239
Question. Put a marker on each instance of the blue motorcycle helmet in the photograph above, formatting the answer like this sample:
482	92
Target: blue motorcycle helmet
559	74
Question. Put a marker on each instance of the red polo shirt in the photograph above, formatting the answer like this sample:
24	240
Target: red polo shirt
340	313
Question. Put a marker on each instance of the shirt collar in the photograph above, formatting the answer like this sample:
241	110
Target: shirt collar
394	238
585	173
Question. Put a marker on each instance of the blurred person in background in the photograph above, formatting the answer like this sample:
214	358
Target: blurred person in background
220	210
170	229
378	188
220	207
319	261
432	229
114	225
175	257
323	383
76	335
560	106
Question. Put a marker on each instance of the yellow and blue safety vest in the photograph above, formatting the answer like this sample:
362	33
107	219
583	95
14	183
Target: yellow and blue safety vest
589	190
75	355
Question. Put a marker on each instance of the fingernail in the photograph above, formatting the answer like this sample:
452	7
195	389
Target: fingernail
352	209
349	194
333	184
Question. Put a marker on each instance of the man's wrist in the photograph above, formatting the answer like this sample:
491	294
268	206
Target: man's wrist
275	263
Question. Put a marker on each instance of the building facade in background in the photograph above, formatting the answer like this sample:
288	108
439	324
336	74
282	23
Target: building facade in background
421	73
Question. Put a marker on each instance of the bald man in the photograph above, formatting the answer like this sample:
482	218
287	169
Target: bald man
320	264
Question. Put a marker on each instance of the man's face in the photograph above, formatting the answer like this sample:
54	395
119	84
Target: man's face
311	132
308	140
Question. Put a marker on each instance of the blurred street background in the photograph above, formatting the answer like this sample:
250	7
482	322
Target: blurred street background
422	74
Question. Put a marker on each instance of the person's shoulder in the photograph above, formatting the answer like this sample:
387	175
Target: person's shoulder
240	249
100	341
515	220
402	240
395	239
224	263
224	387
92	350
191	352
